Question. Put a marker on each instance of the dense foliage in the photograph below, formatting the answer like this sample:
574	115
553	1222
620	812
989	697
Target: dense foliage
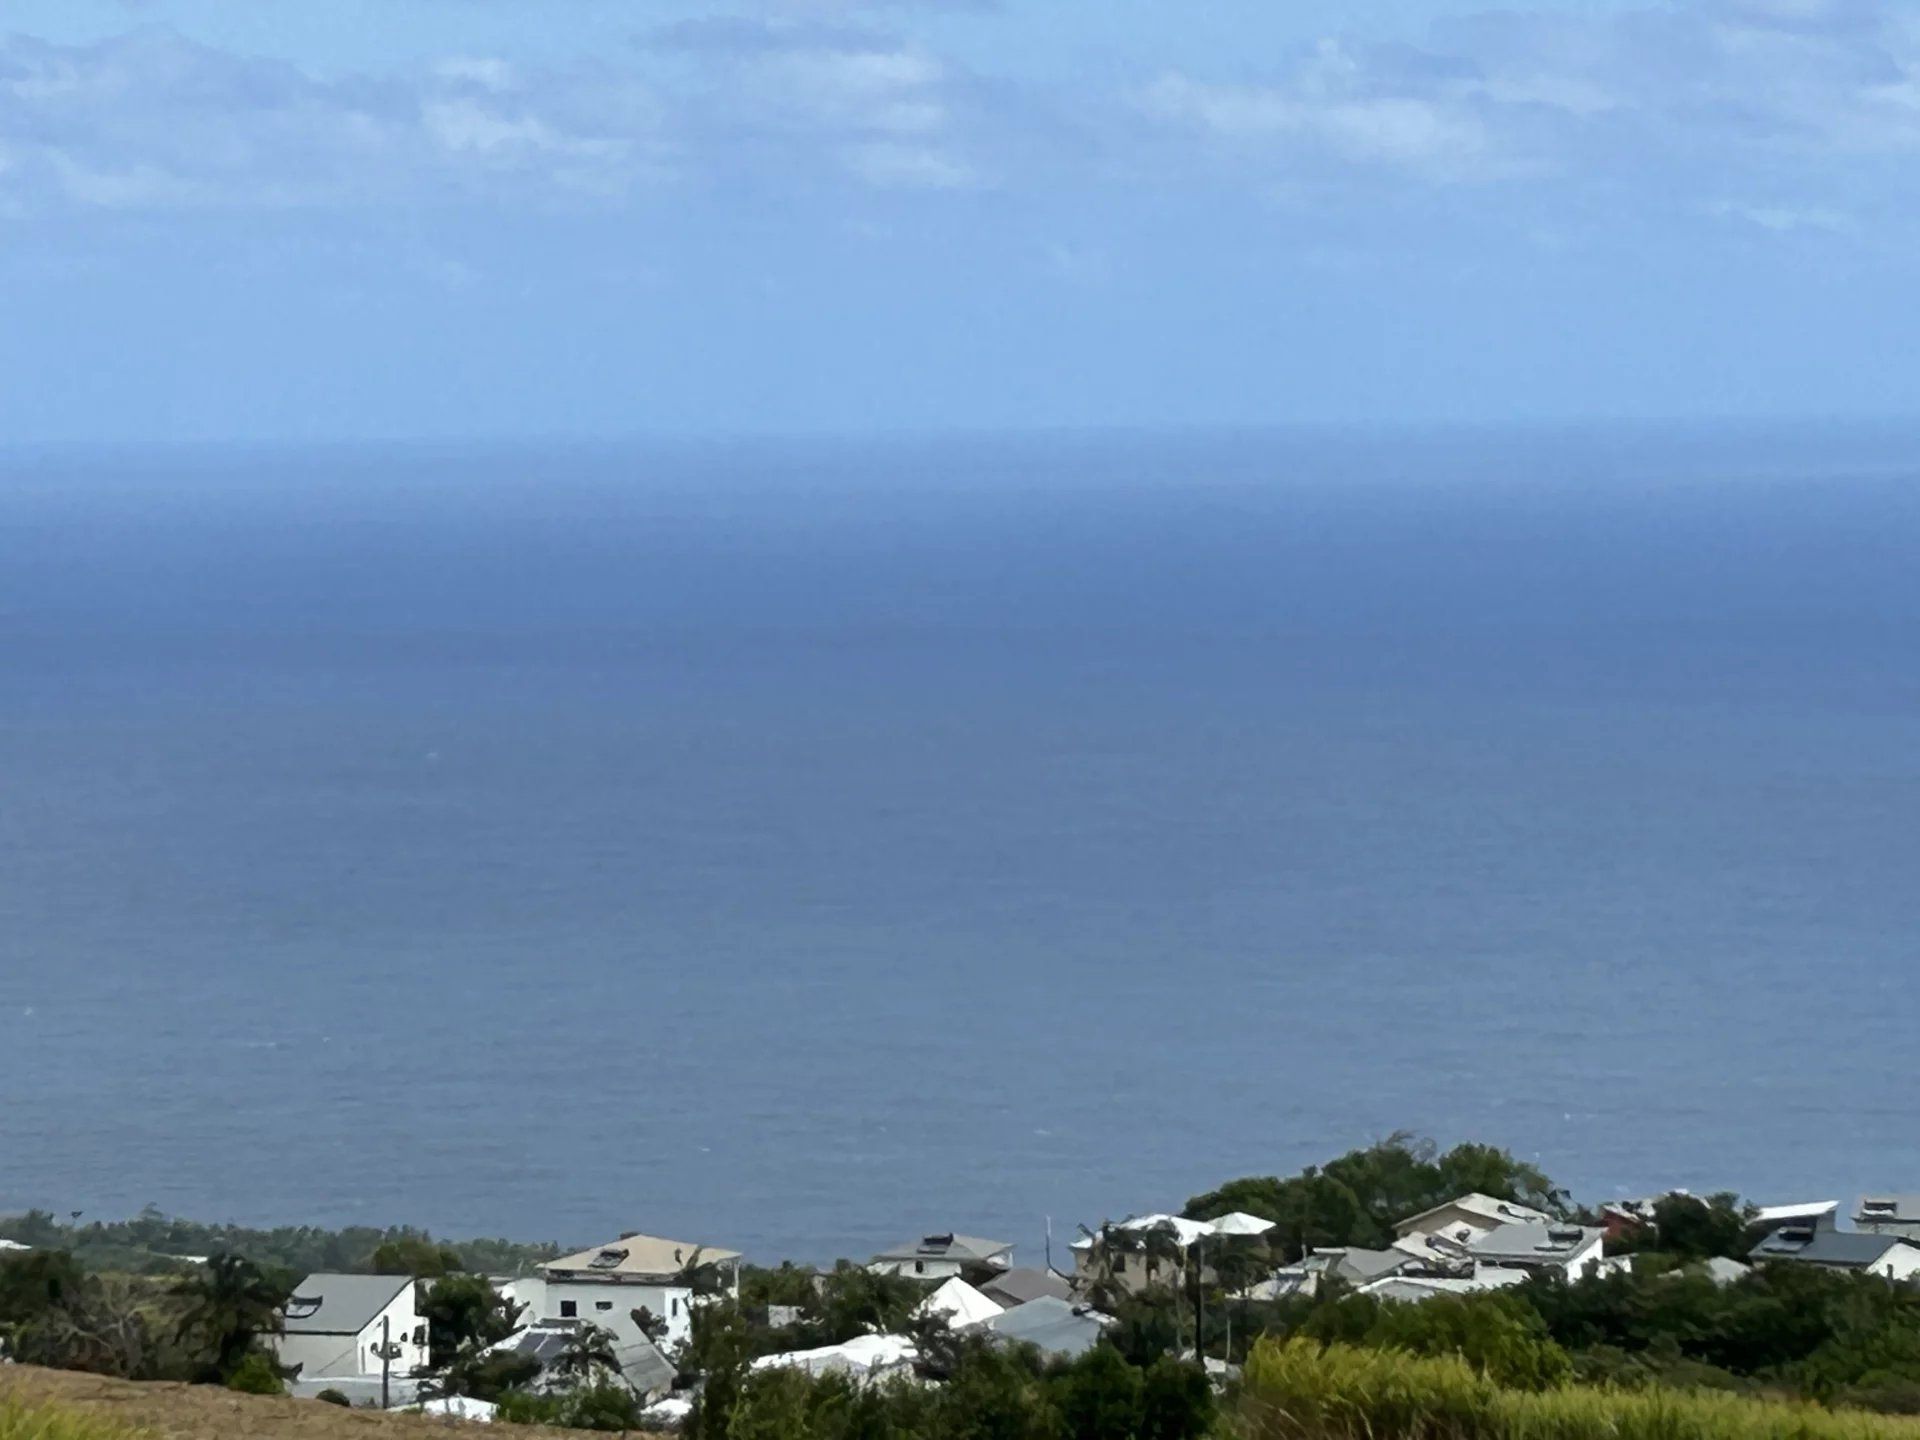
987	1392
154	1242
1356	1199
1300	1391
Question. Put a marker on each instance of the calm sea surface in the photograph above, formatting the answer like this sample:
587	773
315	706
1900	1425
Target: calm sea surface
800	848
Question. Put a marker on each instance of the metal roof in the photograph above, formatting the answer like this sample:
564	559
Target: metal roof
634	1256
1486	1207
945	1246
1016	1287
1053	1325
1533	1243
326	1304
1844	1249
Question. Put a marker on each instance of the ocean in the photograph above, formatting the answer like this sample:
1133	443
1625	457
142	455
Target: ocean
804	847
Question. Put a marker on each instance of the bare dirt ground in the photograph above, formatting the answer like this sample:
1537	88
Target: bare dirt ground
206	1412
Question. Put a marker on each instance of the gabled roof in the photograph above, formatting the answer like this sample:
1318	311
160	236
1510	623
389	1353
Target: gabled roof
1016	1287
959	1304
965	1249
1843	1249
1532	1243
1489	1208
1055	1326
636	1256
328	1304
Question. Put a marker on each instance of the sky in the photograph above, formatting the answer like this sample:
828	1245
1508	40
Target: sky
315	220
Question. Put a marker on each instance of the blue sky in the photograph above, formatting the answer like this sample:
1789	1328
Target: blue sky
240	219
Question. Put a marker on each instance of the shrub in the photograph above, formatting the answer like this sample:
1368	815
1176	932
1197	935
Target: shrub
257	1375
22	1422
333	1397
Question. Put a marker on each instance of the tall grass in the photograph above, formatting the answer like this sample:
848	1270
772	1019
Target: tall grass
50	1422
1298	1391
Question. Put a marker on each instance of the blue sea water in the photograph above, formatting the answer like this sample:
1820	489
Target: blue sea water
801	847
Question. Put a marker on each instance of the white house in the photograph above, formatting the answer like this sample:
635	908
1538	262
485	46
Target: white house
945	1257
335	1324
609	1283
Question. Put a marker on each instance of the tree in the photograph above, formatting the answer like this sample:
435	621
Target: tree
226	1306
1100	1396
587	1356
414	1255
465	1311
1695	1229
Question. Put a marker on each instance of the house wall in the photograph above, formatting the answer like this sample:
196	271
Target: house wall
1904	1229
610	1305
318	1356
927	1269
1902	1262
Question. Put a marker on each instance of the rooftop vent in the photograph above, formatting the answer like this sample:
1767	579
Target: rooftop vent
937	1242
1879	1207
628	1234
301	1307
1795	1234
607	1260
1564	1234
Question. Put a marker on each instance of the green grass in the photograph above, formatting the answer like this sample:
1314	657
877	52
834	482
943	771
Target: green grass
1297	1391
50	1422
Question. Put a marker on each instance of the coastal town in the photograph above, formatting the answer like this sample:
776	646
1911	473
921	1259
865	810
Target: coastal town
635	1315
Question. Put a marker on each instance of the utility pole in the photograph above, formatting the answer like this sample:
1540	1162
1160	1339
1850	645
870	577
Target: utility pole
386	1356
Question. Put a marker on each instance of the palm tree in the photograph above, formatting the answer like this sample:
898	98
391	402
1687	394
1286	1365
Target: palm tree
228	1304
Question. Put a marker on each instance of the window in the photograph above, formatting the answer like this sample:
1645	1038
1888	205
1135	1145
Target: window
1119	1264
919	1267
568	1309
674	1305
603	1304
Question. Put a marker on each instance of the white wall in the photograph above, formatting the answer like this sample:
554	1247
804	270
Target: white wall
1902	1262
929	1269
610	1305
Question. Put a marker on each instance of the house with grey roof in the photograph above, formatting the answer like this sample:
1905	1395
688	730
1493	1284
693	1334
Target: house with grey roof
336	1326
1854	1250
1353	1265
943	1256
1024	1283
1539	1248
1053	1326
1889	1215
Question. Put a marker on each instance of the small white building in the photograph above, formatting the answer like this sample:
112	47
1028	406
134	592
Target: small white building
609	1283
335	1324
945	1257
1889	1215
